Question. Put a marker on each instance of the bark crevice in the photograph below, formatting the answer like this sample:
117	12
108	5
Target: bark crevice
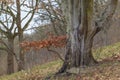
80	32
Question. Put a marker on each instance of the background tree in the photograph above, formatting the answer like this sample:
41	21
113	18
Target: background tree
32	7
8	29
50	15
83	24
14	28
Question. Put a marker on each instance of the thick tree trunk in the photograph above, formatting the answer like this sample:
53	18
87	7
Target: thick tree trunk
80	35
79	15
75	58
10	57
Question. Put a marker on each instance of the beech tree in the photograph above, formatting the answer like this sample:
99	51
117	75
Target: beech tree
21	28
17	24
84	21
8	29
81	29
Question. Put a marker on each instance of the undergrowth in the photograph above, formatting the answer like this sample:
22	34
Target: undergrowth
108	69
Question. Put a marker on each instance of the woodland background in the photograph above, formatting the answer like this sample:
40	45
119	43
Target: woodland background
38	57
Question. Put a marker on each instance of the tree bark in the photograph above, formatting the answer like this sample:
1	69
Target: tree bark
20	36
10	57
21	65
80	35
80	32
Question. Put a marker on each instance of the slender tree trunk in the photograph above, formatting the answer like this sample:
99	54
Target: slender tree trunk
21	65
20	36
10	57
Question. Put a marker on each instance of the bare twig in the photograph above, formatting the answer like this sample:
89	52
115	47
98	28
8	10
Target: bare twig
55	52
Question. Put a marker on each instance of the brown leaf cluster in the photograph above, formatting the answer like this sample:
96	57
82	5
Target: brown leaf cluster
54	41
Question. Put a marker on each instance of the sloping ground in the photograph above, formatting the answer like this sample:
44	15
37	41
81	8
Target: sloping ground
107	69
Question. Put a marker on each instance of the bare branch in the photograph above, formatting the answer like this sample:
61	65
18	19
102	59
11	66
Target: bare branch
26	25
105	18
3	31
55	52
26	15
4	25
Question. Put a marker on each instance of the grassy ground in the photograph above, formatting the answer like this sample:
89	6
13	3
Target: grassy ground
107	69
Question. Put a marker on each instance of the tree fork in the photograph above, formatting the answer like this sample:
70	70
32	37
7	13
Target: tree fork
79	41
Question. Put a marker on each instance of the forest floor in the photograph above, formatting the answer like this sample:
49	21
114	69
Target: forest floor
107	69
